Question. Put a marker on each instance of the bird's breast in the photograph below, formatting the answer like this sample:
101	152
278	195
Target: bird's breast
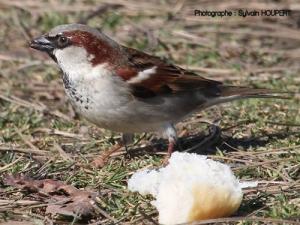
100	99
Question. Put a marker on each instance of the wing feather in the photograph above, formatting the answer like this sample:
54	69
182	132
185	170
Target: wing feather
165	78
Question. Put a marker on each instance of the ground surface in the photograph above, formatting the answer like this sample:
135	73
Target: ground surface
41	136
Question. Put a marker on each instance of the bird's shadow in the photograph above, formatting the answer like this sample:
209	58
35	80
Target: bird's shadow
224	142
208	144
250	205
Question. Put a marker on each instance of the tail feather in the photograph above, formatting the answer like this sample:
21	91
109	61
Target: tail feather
230	93
227	91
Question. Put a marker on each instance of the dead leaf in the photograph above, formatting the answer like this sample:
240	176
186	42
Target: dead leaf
63	199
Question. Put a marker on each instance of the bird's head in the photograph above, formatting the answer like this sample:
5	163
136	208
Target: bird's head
72	44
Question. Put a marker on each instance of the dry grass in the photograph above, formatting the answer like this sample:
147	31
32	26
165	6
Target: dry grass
42	137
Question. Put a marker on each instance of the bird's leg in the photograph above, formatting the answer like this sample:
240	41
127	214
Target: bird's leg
103	158
170	132
171	146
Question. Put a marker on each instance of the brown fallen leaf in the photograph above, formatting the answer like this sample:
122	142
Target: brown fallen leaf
63	199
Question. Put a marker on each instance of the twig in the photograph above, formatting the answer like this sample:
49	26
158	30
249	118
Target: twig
263	163
148	217
24	150
26	141
21	102
62	153
6	167
19	23
59	132
103	213
283	124
4	202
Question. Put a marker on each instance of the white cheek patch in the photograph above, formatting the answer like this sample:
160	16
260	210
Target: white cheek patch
76	62
73	59
143	75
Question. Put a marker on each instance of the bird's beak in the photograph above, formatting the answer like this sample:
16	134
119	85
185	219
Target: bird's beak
43	44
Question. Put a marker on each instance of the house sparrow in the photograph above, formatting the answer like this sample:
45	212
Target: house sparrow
126	90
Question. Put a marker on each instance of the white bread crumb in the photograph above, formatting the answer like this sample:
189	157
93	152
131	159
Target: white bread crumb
190	188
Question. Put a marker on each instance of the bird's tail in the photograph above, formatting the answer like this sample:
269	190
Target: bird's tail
231	93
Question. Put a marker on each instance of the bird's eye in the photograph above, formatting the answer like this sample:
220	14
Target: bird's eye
62	41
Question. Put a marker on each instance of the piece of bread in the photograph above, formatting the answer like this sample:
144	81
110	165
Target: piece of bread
190	188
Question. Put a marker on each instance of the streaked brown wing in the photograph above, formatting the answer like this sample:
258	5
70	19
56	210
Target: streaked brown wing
164	79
